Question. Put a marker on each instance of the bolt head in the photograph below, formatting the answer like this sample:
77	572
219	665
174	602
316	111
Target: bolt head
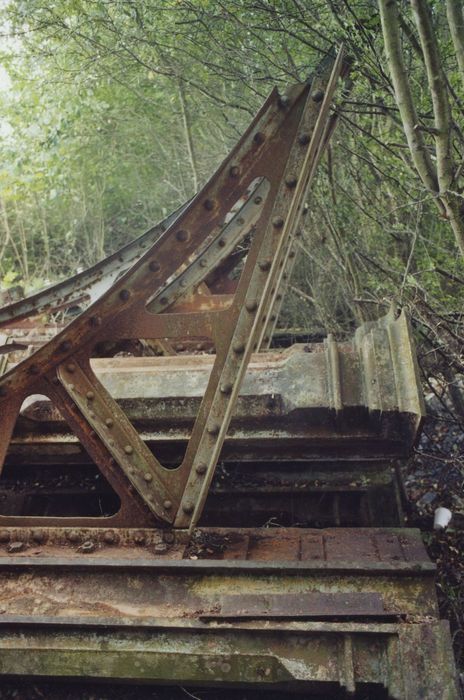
154	266
90	395
139	538
109	422
167	505
124	294
71	367
258	138
208	204
148	477
291	181
278	222
318	95
238	348
109	537
213	429
128	449
187	508
234	171
226	388
182	235
201	468
251	305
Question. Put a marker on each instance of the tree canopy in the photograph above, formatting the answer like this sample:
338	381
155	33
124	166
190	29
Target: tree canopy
118	110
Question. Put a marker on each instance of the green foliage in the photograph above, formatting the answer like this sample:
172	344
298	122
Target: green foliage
118	110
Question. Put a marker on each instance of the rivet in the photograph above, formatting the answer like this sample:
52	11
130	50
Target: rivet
139	538
160	548
303	139
266	339
33	369
258	200
201	468
164	301
183	283
167	505
154	266
203	262
279	297
264	265
221	243
128	449
3	391
240	221
298	234
179	347
278	222
168	537
91	414
291	254
318	95
55	380
111	443
187	508
73	536
94	321
213	429
182	235
65	346
71	367
283	101
148	477
71	387
208	204
234	171
226	388
109	422
251	305
285	276
258	138
199	347
109	537
90	395
4	536
238	348
124	294
291	181
273	318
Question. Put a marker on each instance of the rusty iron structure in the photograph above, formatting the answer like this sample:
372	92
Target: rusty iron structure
139	491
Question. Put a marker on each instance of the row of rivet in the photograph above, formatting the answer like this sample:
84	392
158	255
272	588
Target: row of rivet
19	542
128	449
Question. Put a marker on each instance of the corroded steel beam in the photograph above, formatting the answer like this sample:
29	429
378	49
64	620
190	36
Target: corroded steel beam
266	609
364	395
62	369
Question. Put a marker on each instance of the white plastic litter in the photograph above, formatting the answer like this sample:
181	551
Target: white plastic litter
441	518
